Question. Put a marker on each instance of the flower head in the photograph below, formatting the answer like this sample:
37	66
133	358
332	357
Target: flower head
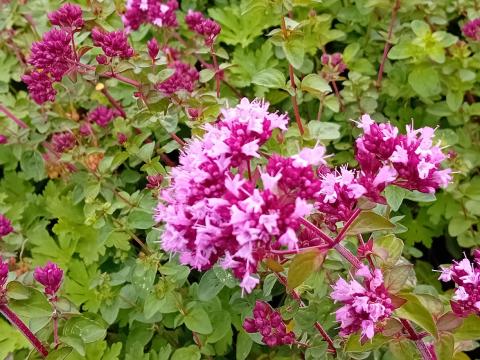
269	324
157	12
113	43
3	139
3	273
5	226
68	16
101	115
40	86
153	48
207	28
50	276
154	181
185	78
365	306
466	276
472	29
63	142
335	61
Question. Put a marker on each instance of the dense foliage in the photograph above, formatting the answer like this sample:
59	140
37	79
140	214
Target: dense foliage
151	208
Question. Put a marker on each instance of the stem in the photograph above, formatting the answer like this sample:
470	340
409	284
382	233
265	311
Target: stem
337	94
215	66
369	256
422	348
318	326
296	251
249	170
20	325
346	226
55	331
13	117
114	102
294	86
111	74
388	44
178	140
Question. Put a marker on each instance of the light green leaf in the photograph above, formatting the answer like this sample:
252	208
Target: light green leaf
415	311
302	266
187	353
424	81
244	345
321	130
197	320
294	52
315	84
369	221
209	286
270	78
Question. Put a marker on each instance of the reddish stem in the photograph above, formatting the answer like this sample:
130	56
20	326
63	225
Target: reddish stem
322	247
215	66
337	94
422	348
114	102
20	325
388	44
178	140
111	74
13	117
346	226
55	331
369	256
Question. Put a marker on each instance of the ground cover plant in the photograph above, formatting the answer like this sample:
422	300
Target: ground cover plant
282	179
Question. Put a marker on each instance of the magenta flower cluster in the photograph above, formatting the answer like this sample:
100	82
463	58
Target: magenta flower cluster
207	28
153	48
3	274
63	141
472	29
102	115
113	44
185	78
411	161
53	56
50	276
3	139
466	276
157	12
364	306
269	324
68	17
5	226
335	61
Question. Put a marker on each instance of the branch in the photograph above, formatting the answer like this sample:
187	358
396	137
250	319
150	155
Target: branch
13	117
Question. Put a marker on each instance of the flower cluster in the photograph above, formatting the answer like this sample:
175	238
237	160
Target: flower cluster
113	43
269	324
472	29
68	16
466	276
102	115
154	181
5	226
207	28
50	276
156	12
153	48
364	306
3	273
63	142
335	61
3	139
410	161
185	78
212	213
40	86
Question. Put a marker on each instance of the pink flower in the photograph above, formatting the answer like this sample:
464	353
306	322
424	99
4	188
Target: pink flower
269	324
154	181
153	48
113	43
40	86
185	78
50	276
5	226
85	129
121	138
3	273
101	115
207	28
471	29
335	61
3	139
466	276
365	307
63	142
157	12
53	53
68	16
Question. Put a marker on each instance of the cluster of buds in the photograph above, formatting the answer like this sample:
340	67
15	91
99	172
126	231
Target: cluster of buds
3	139
466	276
207	28
63	141
184	78
5	226
53	56
113	44
153	48
269	324
334	61
154	181
157	12
50	276
472	29
102	115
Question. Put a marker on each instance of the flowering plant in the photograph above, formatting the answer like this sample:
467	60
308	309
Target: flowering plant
198	179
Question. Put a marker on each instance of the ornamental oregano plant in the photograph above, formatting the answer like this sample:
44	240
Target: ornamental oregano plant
244	179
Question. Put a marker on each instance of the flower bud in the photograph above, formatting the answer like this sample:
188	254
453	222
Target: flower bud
153	48
50	276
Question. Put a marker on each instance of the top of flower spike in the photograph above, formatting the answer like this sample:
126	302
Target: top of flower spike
68	16
113	43
157	12
472	29
50	276
5	226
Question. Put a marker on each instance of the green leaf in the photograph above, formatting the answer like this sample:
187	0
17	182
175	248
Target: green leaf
389	247
35	305
209	286
16	290
321	130
454	99
32	165
187	353
445	346
302	266
146	151
270	78
396	278
206	75
244	345
369	221
294	52
424	81
394	196
75	342
332	103
315	84
420	28
197	320
87	329
354	345
140	219
415	311
469	330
